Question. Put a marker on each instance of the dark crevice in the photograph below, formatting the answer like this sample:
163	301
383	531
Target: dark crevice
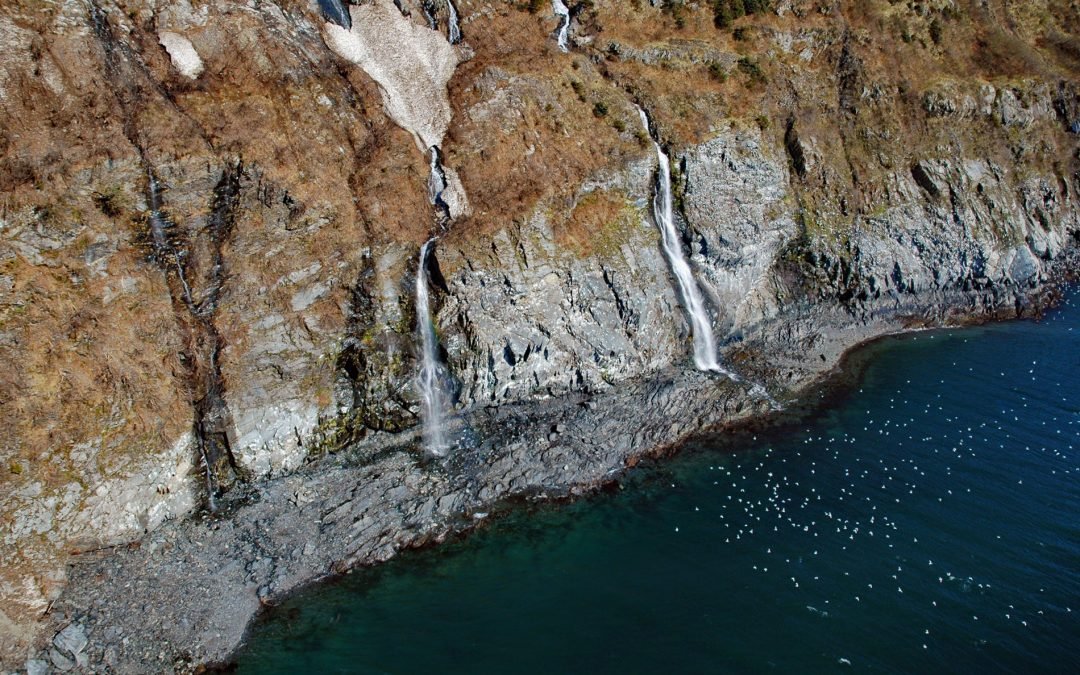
213	421
924	180
435	275
195	283
219	227
192	261
795	149
336	12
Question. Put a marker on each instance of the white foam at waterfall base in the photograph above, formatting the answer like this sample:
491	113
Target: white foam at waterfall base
429	380
701	325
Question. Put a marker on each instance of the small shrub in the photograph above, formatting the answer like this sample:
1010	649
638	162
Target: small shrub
109	202
936	31
677	10
600	109
725	12
717	72
722	16
751	69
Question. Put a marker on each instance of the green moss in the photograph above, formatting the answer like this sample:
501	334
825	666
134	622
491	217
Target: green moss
752	69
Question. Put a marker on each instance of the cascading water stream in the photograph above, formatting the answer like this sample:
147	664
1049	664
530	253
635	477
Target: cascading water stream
430	380
160	238
453	29
429	14
704	344
563	12
437	183
166	254
432	376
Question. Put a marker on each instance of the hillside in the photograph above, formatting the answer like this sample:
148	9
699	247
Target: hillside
212	213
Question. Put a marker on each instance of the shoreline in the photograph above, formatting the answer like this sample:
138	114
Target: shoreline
368	503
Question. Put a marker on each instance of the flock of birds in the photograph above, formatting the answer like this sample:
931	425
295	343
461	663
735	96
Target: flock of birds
912	488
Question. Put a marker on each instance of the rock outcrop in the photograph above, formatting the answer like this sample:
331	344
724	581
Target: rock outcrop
208	236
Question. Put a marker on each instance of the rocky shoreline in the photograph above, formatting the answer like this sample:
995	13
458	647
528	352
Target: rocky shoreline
209	261
182	598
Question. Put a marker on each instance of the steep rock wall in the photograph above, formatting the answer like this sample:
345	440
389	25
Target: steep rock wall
835	165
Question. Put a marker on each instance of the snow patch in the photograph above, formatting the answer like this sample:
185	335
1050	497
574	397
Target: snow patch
410	63
183	54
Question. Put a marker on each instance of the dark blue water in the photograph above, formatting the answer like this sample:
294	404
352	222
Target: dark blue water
930	522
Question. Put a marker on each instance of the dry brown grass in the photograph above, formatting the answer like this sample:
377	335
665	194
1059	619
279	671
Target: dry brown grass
594	224
549	137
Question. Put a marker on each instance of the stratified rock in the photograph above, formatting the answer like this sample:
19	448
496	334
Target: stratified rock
208	244
72	639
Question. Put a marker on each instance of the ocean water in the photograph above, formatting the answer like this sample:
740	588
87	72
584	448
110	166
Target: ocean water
927	522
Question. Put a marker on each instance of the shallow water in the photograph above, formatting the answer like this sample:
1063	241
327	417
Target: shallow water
930	522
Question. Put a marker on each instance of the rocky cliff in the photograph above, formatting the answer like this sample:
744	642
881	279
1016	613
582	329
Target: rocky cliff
212	211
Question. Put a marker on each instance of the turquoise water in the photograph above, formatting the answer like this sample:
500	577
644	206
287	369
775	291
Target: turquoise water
929	522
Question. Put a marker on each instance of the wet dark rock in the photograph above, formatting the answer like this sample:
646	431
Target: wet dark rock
336	11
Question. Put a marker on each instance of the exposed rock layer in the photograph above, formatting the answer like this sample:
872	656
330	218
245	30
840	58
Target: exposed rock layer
214	267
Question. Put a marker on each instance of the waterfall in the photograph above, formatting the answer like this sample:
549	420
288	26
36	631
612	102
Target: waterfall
430	380
563	12
452	28
159	237
704	345
436	180
429	13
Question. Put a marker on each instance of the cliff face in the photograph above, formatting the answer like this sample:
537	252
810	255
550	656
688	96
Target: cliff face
211	213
